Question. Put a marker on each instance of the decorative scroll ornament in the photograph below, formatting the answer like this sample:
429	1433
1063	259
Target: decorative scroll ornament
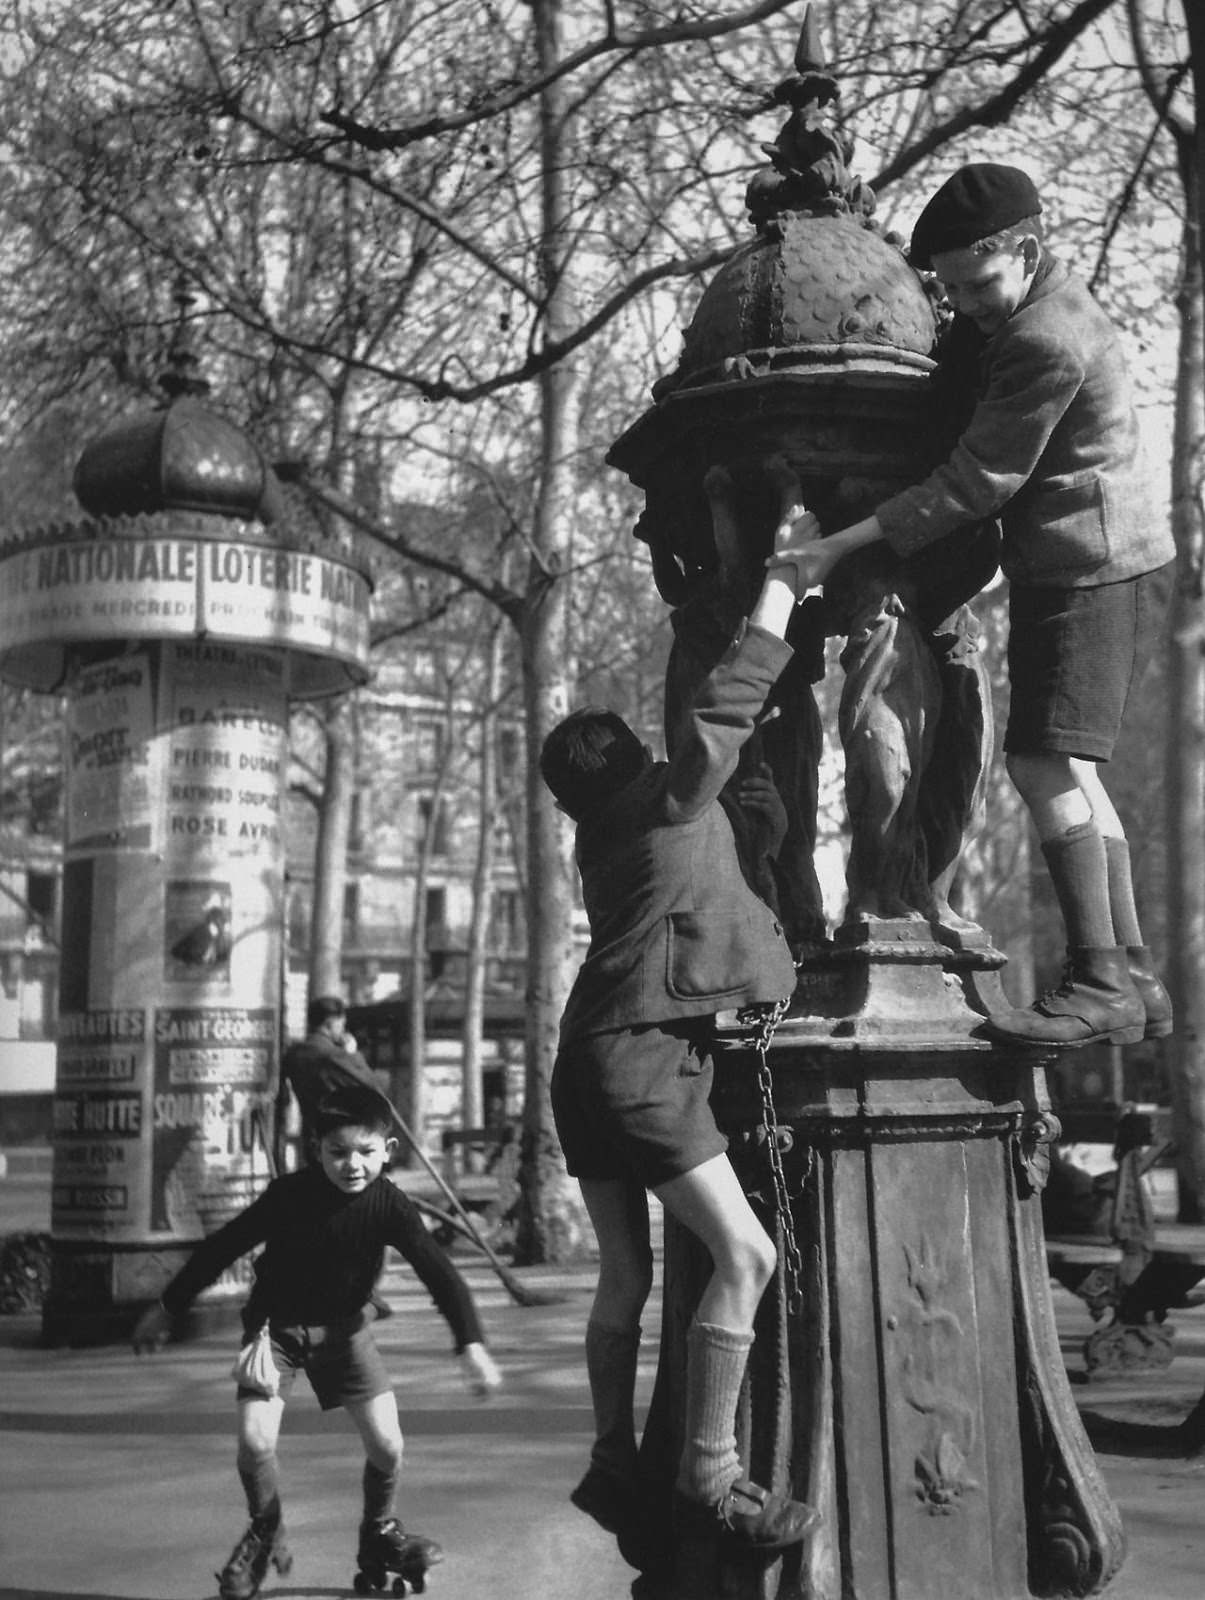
1031	1151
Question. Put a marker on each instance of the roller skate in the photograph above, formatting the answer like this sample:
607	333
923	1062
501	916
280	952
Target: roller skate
263	1543
386	1547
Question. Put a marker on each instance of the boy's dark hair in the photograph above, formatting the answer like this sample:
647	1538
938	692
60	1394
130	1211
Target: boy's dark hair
355	1106
590	755
1010	238
322	1008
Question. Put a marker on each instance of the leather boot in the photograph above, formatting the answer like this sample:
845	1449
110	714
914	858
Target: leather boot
1095	1002
1154	996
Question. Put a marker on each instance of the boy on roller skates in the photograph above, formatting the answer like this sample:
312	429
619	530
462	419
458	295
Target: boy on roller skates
324	1230
676	935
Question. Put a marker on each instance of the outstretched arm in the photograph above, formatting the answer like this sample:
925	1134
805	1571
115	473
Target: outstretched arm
730	699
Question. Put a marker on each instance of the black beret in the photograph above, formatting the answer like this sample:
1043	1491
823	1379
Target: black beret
980	199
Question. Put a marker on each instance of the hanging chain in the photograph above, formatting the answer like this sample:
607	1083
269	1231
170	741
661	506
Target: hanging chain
764	1020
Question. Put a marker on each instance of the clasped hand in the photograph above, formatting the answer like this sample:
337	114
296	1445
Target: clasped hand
798	545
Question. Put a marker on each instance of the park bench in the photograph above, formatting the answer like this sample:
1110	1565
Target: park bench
1125	1266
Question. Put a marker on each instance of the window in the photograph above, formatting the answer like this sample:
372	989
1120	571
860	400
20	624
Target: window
40	894
428	745
506	921
510	749
437	907
351	910
433	821
355	830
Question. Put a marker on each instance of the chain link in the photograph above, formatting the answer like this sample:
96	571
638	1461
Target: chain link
763	1021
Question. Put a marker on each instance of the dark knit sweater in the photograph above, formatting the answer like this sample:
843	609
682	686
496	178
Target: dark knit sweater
323	1252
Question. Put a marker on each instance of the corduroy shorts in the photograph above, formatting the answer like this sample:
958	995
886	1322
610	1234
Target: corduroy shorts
340	1359
1073	655
636	1102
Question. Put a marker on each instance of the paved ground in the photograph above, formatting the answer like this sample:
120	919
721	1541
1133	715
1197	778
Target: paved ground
117	1481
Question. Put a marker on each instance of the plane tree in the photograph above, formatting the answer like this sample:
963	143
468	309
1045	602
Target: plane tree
441	243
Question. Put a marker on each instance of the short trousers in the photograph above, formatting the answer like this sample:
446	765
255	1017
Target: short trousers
1072	659
635	1102
340	1359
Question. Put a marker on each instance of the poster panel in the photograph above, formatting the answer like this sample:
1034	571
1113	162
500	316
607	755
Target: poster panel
113	766
228	717
208	1150
98	1122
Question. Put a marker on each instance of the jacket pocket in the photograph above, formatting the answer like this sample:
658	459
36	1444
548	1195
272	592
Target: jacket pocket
1058	531
707	954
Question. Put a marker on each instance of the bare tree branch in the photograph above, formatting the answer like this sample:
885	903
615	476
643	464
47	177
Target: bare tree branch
1000	106
630	41
508	600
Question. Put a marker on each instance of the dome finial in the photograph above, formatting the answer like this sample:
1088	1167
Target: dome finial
809	161
182	375
809	52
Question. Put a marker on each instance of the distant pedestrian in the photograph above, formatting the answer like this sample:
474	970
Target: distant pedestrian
324	1230
314	1067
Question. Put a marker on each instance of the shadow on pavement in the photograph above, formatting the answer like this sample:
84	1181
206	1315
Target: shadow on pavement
269	1592
1145	1440
550	1420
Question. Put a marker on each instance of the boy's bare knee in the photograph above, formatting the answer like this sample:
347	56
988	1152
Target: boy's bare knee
766	1254
253	1453
754	1258
623	1288
642	1276
385	1454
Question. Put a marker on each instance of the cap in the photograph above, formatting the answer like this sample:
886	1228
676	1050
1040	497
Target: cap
980	199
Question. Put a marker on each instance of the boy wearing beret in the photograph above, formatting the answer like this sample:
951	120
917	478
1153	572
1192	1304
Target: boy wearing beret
1051	450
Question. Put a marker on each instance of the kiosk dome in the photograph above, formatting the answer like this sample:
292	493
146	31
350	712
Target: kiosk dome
188	534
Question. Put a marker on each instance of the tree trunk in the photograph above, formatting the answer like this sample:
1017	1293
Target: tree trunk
416	1100
1186	711
549	1218
330	853
472	1104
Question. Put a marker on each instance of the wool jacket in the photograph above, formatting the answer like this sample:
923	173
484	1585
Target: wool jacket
675	931
1051	449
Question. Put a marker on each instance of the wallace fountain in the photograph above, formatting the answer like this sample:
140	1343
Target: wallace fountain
906	1377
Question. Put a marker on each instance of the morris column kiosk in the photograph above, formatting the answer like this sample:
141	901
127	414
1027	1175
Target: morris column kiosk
177	619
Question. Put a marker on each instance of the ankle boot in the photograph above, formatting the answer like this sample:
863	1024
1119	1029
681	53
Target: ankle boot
1096	1001
1155	998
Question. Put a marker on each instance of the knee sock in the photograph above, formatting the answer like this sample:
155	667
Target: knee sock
1079	870
380	1491
261	1485
1121	893
715	1367
611	1359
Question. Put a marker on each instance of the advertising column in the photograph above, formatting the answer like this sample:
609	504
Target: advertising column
171	970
